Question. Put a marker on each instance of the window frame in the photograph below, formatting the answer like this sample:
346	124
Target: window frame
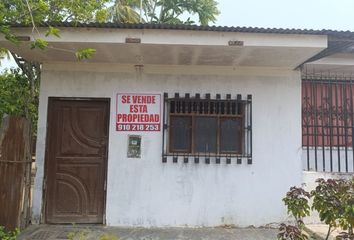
233	109
245	145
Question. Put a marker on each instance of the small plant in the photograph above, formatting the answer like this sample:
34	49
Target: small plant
347	213
297	202
8	235
78	234
345	236
334	201
289	232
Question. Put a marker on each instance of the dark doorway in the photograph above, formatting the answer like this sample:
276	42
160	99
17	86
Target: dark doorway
76	160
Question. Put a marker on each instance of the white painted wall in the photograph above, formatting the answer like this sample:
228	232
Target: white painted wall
339	164
146	192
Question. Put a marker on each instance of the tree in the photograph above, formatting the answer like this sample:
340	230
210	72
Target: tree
35	13
18	96
164	11
124	11
40	12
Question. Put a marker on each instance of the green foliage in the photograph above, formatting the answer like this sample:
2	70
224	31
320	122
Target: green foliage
75	10
345	236
101	15
297	202
39	43
18	97
52	31
78	234
39	12
5	30
125	11
289	232
164	11
347	215
334	201
4	54
85	53
8	235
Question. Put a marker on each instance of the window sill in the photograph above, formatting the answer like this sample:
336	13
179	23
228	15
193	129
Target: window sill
207	159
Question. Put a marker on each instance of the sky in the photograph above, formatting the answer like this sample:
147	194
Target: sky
303	14
309	14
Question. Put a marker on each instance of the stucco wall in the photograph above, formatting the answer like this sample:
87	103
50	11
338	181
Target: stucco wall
309	155
146	192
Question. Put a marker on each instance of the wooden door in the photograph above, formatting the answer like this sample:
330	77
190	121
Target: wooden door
76	160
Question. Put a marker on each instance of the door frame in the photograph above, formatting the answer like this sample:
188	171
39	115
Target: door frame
50	102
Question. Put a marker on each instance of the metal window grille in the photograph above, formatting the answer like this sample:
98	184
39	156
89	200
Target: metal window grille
207	129
327	123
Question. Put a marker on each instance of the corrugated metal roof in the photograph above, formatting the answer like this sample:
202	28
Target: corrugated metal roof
346	34
338	41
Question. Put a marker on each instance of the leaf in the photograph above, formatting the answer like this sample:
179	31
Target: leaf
52	31
85	53
42	6
39	43
101	15
4	29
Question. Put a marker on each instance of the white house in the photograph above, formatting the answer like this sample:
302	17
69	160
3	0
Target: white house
170	125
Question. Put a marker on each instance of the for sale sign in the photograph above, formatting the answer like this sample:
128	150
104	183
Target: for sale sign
138	112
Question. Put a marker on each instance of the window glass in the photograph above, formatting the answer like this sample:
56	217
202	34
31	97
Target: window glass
205	134
230	132
180	138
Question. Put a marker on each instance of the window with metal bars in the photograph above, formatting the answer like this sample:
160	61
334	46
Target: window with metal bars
327	123
210	128
327	113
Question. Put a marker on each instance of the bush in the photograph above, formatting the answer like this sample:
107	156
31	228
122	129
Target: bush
296	201
8	235
19	97
332	199
289	232
345	236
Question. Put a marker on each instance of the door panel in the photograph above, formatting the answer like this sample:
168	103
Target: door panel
76	160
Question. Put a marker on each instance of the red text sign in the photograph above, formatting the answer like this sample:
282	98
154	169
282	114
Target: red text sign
138	112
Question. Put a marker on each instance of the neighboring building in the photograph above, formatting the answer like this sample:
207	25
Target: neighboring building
172	125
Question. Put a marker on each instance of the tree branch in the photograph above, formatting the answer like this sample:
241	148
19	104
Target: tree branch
32	20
